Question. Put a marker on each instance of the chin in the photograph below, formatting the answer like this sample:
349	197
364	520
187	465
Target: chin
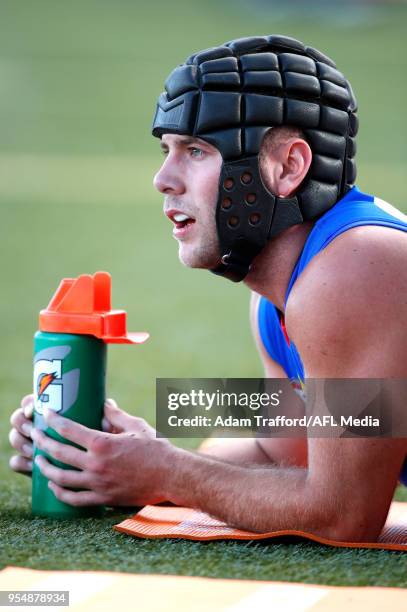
204	259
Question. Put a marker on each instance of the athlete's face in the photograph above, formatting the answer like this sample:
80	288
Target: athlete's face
189	180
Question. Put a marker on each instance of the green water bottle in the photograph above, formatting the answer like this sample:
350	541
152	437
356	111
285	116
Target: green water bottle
70	370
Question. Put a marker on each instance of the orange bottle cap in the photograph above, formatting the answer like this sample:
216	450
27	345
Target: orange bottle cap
83	306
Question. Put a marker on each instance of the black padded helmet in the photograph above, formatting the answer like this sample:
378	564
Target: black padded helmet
230	96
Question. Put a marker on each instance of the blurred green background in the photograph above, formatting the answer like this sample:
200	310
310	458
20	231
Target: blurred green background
78	86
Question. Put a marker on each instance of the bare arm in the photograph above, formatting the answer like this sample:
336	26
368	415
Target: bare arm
346	490
333	498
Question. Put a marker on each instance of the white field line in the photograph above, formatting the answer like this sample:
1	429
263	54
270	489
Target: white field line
287	597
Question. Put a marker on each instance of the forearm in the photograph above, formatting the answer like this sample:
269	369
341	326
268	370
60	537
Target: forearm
254	498
241	451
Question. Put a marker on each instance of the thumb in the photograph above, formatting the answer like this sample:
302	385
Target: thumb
117	417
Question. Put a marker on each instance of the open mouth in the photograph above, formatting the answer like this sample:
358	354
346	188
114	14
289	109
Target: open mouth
181	221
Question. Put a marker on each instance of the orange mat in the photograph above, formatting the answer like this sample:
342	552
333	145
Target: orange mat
106	591
176	522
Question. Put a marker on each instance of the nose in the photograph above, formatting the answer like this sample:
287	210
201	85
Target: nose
168	179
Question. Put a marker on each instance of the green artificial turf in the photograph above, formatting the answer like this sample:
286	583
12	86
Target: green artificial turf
92	544
78	84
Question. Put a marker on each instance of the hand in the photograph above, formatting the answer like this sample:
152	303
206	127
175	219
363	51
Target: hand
19	436
116	420
125	468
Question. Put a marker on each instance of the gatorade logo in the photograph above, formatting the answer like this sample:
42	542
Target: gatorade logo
48	385
54	389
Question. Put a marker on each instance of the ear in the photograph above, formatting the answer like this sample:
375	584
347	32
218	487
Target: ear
287	166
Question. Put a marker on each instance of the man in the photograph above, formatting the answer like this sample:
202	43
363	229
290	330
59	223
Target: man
259	144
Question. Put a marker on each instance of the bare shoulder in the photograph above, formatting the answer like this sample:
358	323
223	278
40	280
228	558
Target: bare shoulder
353	292
364	262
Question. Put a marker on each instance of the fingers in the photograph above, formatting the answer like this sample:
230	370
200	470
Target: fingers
77	498
21	423
120	420
63	478
70	430
22	444
19	436
20	440
113	417
20	464
61	452
27	403
111	403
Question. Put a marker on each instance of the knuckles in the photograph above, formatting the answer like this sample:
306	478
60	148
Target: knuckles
97	465
64	430
100	444
61	479
141	424
56	450
138	421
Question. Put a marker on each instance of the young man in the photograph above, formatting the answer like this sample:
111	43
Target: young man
259	144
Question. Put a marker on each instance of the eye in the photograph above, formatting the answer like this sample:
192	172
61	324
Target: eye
196	152
164	151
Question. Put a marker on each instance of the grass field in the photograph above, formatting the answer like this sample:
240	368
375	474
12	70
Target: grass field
78	83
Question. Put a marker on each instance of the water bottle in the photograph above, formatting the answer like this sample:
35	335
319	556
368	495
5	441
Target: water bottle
70	371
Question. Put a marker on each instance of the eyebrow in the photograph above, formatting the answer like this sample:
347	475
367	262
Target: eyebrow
184	140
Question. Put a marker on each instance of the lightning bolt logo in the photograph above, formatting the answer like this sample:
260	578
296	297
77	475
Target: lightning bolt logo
49	382
44	382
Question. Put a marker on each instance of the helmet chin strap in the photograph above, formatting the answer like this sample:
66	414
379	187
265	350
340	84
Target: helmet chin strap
248	215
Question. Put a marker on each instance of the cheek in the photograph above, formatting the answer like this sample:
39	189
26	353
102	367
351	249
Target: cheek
214	178
206	188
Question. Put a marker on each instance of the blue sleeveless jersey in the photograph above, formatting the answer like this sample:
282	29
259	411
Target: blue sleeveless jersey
354	210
